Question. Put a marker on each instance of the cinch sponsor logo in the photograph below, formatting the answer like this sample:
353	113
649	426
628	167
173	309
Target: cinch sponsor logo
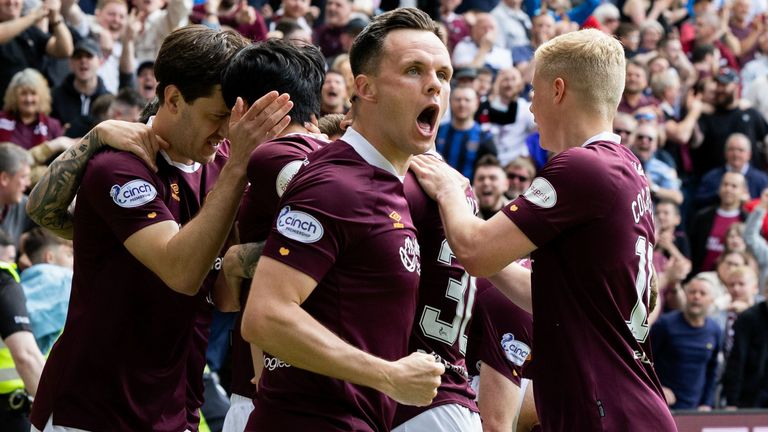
299	226
272	363
133	194
516	351
541	192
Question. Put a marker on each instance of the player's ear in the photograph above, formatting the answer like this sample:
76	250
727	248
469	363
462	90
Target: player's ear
365	88
559	90
172	97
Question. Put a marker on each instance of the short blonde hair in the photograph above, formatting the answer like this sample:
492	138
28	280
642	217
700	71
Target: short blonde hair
28	78
591	63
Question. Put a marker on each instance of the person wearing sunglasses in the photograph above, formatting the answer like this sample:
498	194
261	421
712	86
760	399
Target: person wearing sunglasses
520	174
663	179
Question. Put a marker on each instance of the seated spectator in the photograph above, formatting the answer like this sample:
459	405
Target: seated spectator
670	257
685	346
47	284
507	116
158	19
461	141
651	33
333	96
489	184
629	36
745	380
708	228
480	49
24	120
738	153
72	100
483	84
634	96
15	165
671	239
520	174
23	45
146	83
514	23
126	106
662	177
328	35
237	15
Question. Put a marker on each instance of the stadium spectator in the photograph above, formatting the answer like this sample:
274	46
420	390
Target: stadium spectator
507	115
23	45
297	11
741	283
745	380
708	227
128	205
756	243
624	126
480	48
328	35
520	173
146	83
758	66
671	49
711	31
662	178
333	96
629	36
402	70
514	24
543	29
158	18
564	208
47	284
686	345
126	106
670	238
608	17
728	118
490	182
738	154
24	120
21	362
15	165
634	96
72	99
483	84
746	29
462	142
238	15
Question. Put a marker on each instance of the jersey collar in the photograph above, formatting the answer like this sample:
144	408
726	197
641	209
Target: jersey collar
603	136
368	152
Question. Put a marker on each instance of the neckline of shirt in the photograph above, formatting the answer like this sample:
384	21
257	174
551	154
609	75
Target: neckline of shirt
183	167
368	152
603	136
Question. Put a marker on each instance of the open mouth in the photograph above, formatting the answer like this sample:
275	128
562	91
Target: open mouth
428	119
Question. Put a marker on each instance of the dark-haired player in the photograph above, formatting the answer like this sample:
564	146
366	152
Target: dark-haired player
145	241
334	295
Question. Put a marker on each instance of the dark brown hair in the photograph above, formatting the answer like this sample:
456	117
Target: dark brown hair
193	58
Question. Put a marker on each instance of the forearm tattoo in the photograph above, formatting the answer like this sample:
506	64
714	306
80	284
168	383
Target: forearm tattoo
248	256
50	199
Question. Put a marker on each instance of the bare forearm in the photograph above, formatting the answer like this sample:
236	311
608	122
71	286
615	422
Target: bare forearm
195	247
63	45
49	200
291	334
11	29
515	282
127	57
27	358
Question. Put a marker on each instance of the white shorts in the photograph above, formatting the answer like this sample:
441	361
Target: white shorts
240	408
443	418
49	427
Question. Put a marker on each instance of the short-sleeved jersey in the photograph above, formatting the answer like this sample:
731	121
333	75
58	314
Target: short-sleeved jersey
344	222
501	335
589	213
446	301
121	362
13	309
271	167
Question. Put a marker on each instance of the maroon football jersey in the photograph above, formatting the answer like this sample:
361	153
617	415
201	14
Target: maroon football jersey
446	301
121	362
343	221
271	166
589	212
501	335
